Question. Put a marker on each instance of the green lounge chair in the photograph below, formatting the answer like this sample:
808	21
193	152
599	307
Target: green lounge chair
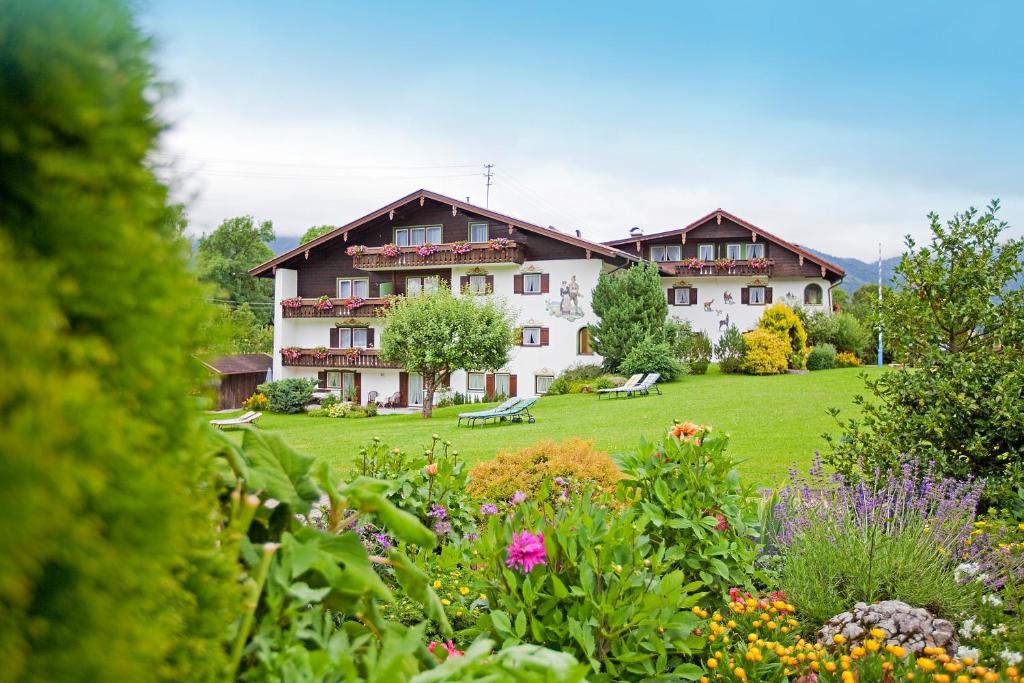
514	413
480	413
630	383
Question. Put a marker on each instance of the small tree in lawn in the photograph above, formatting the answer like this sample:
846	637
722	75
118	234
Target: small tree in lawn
632	306
435	333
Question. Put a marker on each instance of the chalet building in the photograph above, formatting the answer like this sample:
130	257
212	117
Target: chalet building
721	270
330	294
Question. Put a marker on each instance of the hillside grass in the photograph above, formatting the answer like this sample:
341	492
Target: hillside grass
773	421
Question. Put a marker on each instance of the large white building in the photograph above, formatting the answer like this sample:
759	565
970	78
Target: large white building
330	293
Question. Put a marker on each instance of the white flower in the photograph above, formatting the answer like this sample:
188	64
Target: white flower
998	630
1011	658
970	628
967	652
965	569
992	599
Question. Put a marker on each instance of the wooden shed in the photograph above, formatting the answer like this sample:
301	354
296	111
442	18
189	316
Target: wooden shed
238	376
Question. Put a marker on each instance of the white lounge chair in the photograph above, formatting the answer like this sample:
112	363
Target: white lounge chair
644	388
630	383
244	419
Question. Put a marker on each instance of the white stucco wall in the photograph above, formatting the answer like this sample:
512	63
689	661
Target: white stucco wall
713	311
286	284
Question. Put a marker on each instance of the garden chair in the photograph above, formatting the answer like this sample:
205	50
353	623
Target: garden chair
393	401
644	388
244	419
372	398
480	413
514	413
630	383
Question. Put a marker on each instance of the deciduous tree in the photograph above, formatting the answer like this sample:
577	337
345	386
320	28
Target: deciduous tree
315	232
225	256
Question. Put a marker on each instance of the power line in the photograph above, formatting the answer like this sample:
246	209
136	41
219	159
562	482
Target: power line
252	162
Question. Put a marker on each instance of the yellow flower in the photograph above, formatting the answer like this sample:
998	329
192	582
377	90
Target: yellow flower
445	601
464	590
1021	526
839	639
712	663
925	664
739	673
483	597
871	645
877	633
437	584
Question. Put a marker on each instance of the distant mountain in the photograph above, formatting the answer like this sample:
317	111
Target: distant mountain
859	273
283	244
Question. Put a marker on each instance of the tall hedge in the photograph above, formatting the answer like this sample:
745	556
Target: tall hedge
106	553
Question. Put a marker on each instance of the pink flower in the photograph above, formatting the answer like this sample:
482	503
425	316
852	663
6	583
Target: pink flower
449	646
431	469
722	523
526	551
517	498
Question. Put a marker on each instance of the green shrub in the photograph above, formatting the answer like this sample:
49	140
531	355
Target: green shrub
605	592
764	353
783	321
822	357
110	569
256	402
583	386
648	356
690	489
290	395
526	469
729	350
842	330
845	359
582	371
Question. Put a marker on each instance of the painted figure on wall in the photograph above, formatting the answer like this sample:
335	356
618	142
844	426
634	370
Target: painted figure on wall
569	304
727	298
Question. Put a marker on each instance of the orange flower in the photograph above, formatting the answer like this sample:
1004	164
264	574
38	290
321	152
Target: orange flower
684	429
431	469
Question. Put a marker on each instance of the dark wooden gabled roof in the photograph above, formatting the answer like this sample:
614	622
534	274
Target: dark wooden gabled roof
721	213
240	364
265	269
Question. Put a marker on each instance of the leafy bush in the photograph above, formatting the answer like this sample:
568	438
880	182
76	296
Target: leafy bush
581	379
729	350
845	359
822	357
899	536
582	371
575	460
842	330
431	485
109	566
289	395
342	409
648	356
256	402
692	348
690	490
783	321
764	353
587	579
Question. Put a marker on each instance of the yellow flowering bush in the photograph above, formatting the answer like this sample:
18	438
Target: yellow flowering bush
757	639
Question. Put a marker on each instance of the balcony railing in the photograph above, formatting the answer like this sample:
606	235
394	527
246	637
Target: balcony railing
340	308
335	358
374	258
720	270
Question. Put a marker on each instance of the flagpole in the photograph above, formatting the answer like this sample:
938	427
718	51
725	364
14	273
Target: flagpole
879	304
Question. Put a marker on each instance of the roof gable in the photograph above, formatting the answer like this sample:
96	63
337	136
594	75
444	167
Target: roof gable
265	269
240	364
716	218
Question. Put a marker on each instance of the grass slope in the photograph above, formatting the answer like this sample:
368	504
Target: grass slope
774	421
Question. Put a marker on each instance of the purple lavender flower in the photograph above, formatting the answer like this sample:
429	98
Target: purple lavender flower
517	498
383	540
438	512
441	527
488	509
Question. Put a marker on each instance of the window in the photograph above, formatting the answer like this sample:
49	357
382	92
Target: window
353	338
476	382
478	232
733	251
756	295
348	287
333	380
531	283
503	385
541	383
754	251
706	252
417	285
812	295
682	296
667	252
348	386
531	336
411	237
583	342
478	284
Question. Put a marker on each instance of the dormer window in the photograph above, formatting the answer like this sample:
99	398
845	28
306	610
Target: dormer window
667	252
734	251
478	232
754	251
706	252
413	237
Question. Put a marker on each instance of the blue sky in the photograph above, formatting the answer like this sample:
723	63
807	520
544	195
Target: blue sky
833	126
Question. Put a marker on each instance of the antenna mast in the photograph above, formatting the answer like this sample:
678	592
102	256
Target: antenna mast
489	174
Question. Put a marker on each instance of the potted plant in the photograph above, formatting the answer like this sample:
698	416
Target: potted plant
499	243
693	263
324	303
320	353
462	247
391	250
291	353
355	249
352	303
426	250
724	264
760	263
292	302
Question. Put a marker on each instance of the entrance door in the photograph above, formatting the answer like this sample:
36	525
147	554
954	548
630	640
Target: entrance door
415	389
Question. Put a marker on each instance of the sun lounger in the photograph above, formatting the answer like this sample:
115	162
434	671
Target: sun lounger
480	413
645	387
630	383
514	412
244	419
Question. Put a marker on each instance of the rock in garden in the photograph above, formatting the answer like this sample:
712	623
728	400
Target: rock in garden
911	627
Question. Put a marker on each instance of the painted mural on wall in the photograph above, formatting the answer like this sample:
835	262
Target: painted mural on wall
569	304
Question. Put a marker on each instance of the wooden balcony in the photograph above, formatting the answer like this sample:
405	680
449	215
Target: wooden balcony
338	358
370	308
374	258
740	268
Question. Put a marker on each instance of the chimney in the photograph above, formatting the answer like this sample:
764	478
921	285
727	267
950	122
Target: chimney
636	232
578	233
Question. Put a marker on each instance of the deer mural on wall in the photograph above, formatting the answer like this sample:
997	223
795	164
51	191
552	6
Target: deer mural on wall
727	298
707	305
723	324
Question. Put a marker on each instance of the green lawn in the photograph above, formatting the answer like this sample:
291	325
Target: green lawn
774	421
